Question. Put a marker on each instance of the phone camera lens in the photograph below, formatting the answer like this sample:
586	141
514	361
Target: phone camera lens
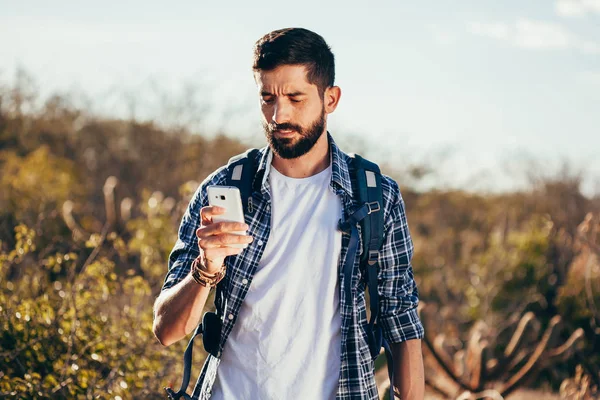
222	197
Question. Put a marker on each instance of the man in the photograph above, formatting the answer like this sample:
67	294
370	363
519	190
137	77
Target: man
287	331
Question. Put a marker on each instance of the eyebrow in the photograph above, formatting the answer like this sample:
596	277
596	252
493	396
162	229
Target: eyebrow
293	94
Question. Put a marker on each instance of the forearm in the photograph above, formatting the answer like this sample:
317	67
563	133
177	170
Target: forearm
409	377
177	310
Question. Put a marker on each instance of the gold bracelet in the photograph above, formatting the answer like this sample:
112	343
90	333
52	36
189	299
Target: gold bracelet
205	279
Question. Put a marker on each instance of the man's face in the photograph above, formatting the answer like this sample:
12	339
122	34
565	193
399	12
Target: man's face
293	111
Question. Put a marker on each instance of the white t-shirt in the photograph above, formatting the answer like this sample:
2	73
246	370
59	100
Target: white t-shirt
286	341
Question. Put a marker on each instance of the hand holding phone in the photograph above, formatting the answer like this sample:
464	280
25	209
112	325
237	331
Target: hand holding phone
228	198
222	232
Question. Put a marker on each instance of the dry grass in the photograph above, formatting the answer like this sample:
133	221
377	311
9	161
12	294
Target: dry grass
523	394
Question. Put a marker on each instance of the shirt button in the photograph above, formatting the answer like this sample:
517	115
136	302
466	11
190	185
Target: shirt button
260	242
244	281
230	317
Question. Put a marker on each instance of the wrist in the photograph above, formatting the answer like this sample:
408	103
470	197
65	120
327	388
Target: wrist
202	277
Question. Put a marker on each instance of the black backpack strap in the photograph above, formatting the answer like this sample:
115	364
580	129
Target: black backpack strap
368	186
210	329
240	173
187	368
368	182
370	214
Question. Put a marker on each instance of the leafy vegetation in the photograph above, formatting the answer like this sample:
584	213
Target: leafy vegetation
89	209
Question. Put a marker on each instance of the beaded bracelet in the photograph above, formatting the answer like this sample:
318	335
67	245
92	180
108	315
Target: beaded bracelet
205	279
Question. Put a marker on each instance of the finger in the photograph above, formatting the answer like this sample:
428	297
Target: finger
224	239
222	252
221	227
206	213
225	227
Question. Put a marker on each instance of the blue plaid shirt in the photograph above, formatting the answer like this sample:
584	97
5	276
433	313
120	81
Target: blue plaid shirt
397	289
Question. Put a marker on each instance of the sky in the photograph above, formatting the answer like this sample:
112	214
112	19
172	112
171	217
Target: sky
476	89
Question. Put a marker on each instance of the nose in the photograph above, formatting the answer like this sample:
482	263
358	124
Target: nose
281	112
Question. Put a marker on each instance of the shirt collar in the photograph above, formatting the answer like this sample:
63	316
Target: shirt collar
340	175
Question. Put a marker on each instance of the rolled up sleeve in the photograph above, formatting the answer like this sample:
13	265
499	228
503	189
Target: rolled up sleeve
398	294
186	249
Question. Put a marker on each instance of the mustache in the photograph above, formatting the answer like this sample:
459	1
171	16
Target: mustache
285	126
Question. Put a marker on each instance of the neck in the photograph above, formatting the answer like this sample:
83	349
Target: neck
311	163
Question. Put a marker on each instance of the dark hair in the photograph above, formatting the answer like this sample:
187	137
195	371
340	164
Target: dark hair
296	46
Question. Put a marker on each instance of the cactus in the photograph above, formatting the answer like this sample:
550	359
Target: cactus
475	373
580	387
112	223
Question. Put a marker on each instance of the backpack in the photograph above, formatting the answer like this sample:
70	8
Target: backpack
367	189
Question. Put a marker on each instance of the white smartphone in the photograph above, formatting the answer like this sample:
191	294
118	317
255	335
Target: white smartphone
230	199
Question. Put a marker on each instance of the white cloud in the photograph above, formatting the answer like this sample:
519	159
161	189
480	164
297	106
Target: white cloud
441	35
531	34
576	8
590	77
537	35
589	47
496	30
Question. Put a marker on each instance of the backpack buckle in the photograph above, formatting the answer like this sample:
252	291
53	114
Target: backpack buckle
373	257
373	207
170	393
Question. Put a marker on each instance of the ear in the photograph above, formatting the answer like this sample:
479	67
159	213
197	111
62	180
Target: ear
331	98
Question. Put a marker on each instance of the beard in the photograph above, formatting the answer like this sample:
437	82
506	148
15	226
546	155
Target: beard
290	148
